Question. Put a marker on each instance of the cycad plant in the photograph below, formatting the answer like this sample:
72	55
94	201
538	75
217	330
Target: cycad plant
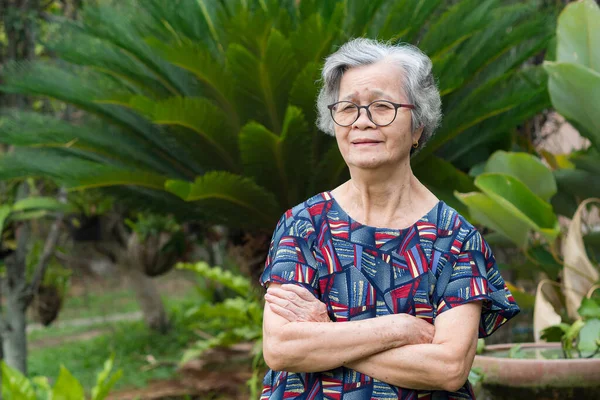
213	102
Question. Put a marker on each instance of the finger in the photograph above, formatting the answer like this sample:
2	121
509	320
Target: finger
290	296
283	303
283	312
301	291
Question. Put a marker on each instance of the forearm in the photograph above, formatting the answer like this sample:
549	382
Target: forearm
440	365
321	346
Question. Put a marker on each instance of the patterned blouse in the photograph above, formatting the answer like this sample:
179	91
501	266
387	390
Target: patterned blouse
362	272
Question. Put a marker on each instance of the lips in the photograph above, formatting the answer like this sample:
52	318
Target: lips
365	141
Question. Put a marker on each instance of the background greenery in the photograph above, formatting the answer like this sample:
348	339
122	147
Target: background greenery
187	127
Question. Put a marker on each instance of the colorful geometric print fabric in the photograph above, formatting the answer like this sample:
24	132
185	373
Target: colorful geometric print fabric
362	272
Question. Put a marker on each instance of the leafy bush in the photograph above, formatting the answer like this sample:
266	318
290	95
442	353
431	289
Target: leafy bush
16	386
235	319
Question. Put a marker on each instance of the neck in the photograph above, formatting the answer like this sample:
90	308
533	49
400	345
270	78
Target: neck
383	198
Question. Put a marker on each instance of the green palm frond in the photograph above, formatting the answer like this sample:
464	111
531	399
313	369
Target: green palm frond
77	47
443	37
279	163
361	15
199	115
211	74
304	92
85	89
492	50
330	171
175	82
234	199
263	84
416	11
183	19
123	25
260	151
477	143
496	97
322	33
73	172
22	128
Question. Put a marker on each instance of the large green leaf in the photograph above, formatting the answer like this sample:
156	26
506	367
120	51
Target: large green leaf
575	93
489	212
231	198
527	168
67	387
510	208
512	194
578	35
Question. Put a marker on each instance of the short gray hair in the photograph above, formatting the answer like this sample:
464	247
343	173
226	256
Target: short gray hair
418	82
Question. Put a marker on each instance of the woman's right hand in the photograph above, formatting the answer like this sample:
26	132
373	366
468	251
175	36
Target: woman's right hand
413	330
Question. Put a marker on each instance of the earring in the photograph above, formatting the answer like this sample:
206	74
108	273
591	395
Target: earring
415	145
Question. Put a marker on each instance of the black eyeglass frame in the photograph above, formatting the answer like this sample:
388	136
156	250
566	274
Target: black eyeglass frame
396	107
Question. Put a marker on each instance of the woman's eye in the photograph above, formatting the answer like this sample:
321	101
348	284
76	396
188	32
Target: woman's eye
347	109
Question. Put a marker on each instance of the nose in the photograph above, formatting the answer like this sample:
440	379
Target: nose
363	120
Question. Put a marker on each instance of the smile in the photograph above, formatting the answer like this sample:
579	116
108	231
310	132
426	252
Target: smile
366	143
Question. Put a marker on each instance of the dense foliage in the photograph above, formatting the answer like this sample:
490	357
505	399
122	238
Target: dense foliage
208	107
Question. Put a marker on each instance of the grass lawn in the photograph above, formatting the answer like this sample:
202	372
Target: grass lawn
131	342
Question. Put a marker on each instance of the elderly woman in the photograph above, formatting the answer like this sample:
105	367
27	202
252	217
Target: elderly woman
408	283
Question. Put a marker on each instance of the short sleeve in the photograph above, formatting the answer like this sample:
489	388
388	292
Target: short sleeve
291	257
473	275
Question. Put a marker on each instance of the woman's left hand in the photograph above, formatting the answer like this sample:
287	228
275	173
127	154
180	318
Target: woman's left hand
296	304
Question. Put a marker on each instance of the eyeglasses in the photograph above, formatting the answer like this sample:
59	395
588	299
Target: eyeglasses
380	112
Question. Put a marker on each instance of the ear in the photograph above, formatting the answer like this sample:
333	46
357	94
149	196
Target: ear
416	135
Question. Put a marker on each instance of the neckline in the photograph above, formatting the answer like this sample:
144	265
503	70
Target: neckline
352	221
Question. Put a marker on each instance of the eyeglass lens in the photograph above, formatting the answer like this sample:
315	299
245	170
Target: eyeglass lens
380	112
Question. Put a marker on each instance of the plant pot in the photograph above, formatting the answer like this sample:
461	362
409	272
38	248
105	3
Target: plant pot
518	378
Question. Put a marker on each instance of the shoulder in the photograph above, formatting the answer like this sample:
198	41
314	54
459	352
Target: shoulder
450	223
303	219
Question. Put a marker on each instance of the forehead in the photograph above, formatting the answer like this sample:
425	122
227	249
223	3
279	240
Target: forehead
373	79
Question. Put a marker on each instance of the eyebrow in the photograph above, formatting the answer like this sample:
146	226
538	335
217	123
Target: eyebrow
374	93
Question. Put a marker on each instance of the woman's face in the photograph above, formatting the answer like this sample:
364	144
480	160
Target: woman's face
363	144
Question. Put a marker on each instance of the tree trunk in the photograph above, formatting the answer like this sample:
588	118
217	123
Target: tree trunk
148	297
136	259
14	335
14	325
